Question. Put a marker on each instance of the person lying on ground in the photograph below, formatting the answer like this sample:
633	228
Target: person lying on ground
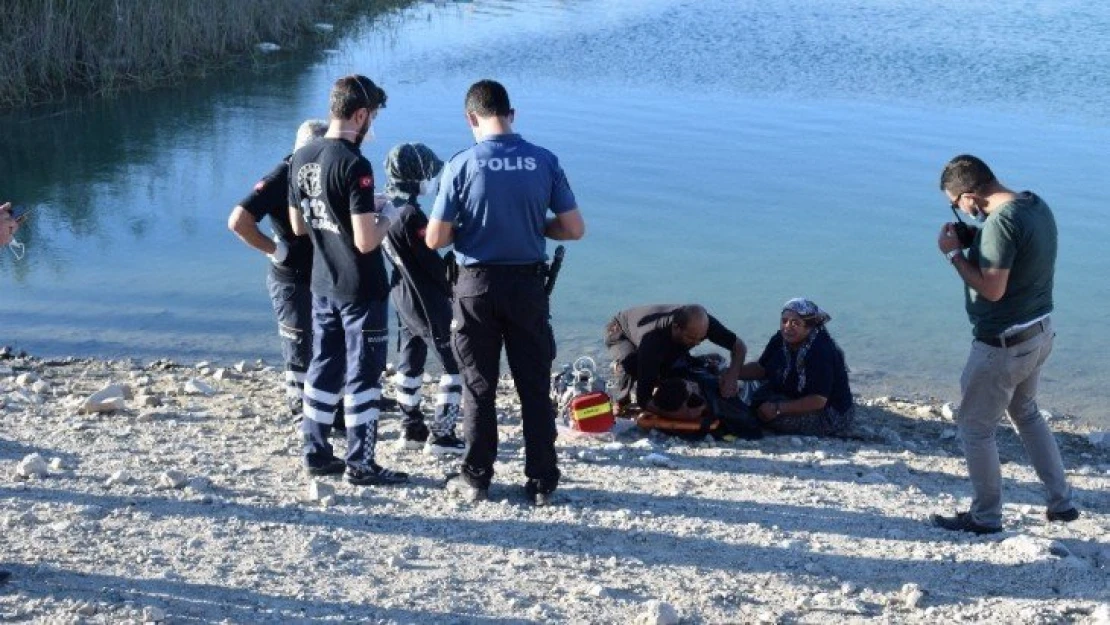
804	377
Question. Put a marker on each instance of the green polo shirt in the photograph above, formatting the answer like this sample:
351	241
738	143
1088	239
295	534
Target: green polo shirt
1020	236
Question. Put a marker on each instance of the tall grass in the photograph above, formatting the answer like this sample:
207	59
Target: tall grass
49	48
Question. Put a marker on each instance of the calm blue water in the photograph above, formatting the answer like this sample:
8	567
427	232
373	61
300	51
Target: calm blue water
728	152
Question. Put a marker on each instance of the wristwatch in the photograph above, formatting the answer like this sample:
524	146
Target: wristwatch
951	255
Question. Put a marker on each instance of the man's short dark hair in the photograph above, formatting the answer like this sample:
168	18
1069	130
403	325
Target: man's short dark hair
965	174
685	314
355	92
488	98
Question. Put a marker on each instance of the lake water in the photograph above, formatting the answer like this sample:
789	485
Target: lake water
728	152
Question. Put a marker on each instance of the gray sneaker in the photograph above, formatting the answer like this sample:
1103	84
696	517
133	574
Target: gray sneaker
456	486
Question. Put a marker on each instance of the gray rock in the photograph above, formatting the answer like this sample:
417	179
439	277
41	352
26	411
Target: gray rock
659	460
241	366
41	387
148	401
119	477
152	614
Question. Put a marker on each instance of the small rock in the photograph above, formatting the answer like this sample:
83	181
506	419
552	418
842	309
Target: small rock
598	591
912	596
108	399
119	477
1101	615
948	434
221	374
328	501
318	490
924	411
32	466
25	380
948	411
795	441
657	612
396	562
152	614
172	479
204	364
56	464
241	366
659	460
41	387
199	387
148	401
86	609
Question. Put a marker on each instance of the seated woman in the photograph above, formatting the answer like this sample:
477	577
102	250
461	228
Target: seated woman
805	380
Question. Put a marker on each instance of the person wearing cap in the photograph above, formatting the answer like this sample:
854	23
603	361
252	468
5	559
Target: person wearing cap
1008	275
494	201
290	263
331	199
421	297
804	379
647	342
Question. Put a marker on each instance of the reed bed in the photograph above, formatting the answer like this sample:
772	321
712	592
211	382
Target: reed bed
50	48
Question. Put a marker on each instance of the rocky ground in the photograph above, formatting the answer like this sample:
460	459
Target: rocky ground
177	496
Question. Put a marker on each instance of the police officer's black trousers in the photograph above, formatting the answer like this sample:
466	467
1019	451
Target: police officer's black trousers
497	306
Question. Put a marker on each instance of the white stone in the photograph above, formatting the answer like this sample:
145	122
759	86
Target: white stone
119	477
241	366
152	614
598	591
172	479
221	375
912	596
948	411
657	612
108	399
32	466
26	379
318	490
659	460
1101	615
199	387
56	464
204	364
924	411
86	609
41	387
1028	548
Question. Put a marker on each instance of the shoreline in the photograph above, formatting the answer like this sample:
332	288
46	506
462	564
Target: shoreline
186	502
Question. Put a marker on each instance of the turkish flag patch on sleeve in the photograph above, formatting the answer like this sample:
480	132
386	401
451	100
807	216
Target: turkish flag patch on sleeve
366	182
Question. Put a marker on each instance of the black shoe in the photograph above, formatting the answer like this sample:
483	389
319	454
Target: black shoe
4	577
540	496
374	474
332	466
457	486
414	436
1065	516
446	445
962	522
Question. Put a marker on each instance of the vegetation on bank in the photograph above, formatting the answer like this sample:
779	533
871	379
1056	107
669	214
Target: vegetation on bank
51	48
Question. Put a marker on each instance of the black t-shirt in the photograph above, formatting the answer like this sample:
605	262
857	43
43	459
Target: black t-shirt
649	329
420	289
330	180
270	198
826	371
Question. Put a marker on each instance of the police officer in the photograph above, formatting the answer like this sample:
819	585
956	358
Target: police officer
421	296
290	263
493	203
331	198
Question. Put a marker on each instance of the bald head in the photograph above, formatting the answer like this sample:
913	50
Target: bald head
691	325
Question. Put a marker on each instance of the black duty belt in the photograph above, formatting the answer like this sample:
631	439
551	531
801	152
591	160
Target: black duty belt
531	269
1016	338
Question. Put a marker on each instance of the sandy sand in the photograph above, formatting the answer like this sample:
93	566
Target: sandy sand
196	510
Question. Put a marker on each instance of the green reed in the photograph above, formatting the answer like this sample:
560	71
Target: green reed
49	48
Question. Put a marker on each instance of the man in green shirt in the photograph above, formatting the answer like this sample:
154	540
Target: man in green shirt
1008	275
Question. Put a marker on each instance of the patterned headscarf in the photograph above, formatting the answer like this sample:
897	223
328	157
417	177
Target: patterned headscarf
808	311
406	166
